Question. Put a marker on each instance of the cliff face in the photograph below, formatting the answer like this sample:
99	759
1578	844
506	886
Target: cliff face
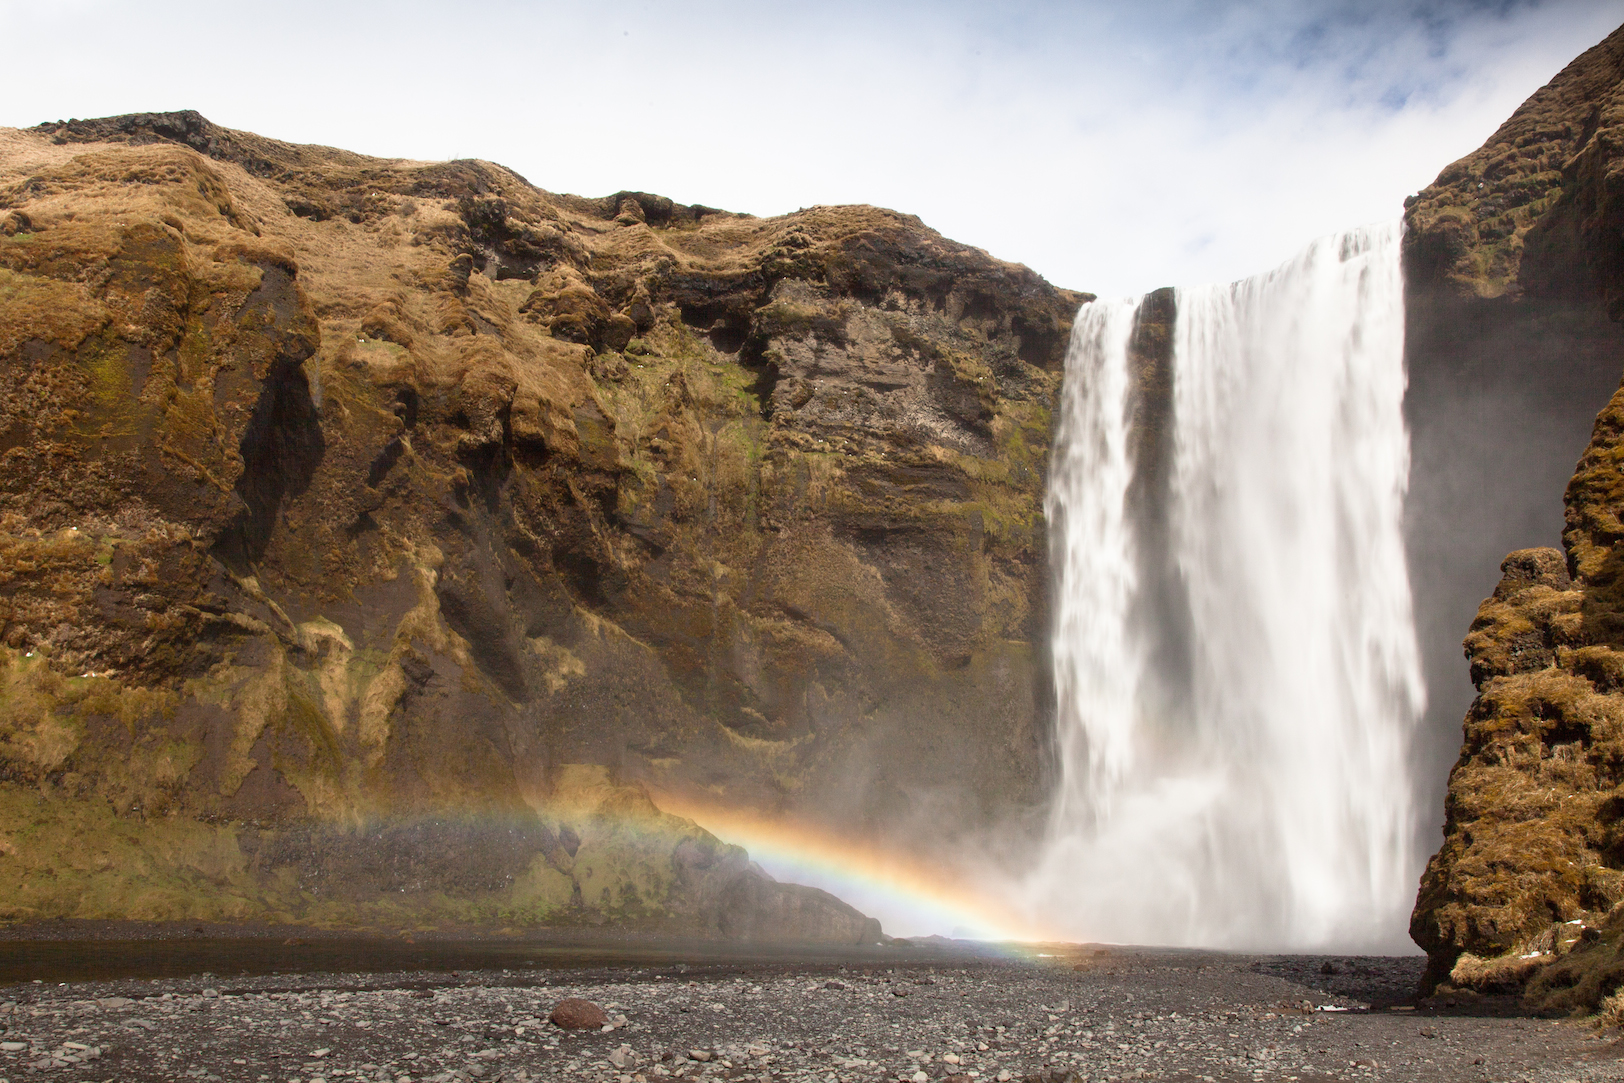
349	503
1510	352
1522	240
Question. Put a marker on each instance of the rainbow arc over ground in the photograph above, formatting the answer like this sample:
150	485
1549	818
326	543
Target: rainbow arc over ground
911	897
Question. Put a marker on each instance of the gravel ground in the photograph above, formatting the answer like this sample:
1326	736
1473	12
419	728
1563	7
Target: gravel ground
1090	1015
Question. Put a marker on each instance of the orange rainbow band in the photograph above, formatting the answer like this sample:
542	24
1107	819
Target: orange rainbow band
830	856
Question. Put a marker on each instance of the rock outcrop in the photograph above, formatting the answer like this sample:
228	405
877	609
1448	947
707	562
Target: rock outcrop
1510	354
1523	240
352	509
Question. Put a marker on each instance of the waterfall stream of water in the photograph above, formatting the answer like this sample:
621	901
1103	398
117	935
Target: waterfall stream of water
1235	662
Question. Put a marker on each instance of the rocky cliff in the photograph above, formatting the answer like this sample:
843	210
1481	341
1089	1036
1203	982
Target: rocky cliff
1511	353
1515	259
374	530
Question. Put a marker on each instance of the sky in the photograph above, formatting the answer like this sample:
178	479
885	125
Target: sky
1113	147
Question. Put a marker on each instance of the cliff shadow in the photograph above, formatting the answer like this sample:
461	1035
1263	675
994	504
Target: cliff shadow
1502	398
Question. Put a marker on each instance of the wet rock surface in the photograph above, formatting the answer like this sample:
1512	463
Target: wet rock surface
1096	1015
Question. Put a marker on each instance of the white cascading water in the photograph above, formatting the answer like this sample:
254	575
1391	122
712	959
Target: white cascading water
1260	797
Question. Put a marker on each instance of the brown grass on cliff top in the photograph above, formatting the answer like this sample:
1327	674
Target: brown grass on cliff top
374	238
22	152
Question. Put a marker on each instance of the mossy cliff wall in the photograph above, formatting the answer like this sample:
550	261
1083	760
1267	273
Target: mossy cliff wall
346	495
1515	263
1510	353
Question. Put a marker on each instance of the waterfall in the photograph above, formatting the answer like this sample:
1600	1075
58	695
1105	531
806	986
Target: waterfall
1235	662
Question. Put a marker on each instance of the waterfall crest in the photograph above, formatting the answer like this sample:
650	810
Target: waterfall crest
1235	660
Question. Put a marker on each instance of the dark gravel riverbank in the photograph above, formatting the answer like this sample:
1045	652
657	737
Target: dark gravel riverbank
1100	1014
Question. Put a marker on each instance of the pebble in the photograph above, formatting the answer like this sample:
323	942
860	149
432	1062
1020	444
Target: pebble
1125	1015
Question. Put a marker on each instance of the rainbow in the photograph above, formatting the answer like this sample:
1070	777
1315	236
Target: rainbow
909	897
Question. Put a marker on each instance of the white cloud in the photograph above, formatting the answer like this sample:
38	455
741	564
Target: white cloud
1113	149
